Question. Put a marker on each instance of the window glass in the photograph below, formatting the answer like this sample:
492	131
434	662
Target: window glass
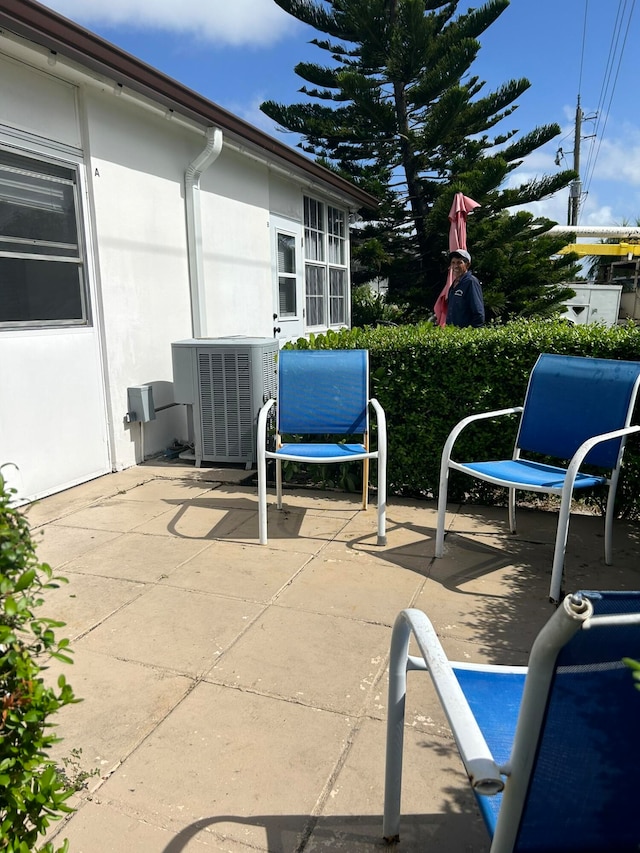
314	231
337	297
326	257
39	292
286	274
314	279
41	264
337	236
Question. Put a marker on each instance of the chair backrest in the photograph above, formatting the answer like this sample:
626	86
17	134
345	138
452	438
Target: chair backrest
571	399
583	790
323	392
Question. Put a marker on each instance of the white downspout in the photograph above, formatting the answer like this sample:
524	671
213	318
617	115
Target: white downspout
194	229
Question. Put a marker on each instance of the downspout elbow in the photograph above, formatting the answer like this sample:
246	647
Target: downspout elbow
206	157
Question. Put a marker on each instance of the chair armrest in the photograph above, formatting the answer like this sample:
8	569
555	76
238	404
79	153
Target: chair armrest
578	457
455	432
484	774
381	421
262	427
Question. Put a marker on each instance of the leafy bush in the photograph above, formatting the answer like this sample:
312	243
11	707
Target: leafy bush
372	309
32	792
428	378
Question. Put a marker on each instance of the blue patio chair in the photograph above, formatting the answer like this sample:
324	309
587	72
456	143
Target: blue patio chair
323	393
551	750
577	411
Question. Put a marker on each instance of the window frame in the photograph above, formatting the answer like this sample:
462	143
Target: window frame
49	170
289	278
325	257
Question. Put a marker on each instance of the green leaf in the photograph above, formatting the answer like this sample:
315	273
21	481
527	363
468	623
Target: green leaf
25	580
10	606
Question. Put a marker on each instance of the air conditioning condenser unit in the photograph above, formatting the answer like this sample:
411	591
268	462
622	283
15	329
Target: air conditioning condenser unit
225	381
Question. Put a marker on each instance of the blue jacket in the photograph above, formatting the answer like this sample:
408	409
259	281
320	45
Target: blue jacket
465	306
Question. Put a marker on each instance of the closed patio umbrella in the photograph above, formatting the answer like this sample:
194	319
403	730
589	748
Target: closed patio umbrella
461	207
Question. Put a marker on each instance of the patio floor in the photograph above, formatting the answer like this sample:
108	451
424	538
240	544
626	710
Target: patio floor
235	695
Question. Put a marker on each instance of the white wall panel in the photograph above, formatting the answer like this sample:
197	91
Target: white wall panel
137	164
237	249
50	390
285	197
38	103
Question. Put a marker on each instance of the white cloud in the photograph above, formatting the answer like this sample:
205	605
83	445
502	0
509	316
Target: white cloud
619	160
610	167
554	208
236	22
252	113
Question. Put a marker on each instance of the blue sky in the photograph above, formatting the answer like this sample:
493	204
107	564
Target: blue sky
238	53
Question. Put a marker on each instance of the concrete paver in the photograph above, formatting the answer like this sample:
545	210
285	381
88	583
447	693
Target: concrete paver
235	695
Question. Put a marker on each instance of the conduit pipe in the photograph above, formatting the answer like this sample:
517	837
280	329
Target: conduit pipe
616	232
192	176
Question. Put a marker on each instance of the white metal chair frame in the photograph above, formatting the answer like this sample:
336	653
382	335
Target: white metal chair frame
290	453
485	776
566	481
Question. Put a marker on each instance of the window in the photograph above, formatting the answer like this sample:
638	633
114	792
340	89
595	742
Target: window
41	263
286	274
326	257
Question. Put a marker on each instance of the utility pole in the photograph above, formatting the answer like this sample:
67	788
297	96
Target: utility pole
575	187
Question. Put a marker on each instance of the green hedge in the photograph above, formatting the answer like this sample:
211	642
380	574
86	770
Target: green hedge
428	378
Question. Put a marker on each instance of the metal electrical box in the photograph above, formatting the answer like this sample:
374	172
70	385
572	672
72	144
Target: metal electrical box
225	381
140	403
594	303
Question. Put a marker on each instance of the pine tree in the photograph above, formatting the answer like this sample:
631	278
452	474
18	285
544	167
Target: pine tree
397	111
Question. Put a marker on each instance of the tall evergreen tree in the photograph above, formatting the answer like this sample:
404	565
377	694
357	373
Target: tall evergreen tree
397	111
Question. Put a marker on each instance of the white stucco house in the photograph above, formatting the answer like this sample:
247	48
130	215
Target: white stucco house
135	213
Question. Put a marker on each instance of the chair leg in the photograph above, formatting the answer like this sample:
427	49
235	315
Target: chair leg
279	483
395	729
562	535
261	458
442	508
382	496
608	520
365	483
262	499
512	510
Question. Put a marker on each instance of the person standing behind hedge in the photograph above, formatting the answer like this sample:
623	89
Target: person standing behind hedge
465	305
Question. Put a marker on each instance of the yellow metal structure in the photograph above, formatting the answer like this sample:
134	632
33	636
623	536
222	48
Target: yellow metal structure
620	250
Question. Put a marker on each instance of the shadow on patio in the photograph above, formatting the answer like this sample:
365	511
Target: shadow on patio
235	694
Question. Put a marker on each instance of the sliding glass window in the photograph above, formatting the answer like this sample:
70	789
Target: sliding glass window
42	281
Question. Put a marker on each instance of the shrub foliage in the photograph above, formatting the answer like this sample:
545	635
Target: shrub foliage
32	791
428	378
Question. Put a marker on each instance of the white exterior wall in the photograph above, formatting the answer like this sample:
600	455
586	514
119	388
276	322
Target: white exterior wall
285	198
37	102
53	417
132	163
136	165
237	253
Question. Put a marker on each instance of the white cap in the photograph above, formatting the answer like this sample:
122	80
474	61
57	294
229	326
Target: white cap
460	253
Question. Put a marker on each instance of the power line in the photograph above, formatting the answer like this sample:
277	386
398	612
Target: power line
607	85
584	40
